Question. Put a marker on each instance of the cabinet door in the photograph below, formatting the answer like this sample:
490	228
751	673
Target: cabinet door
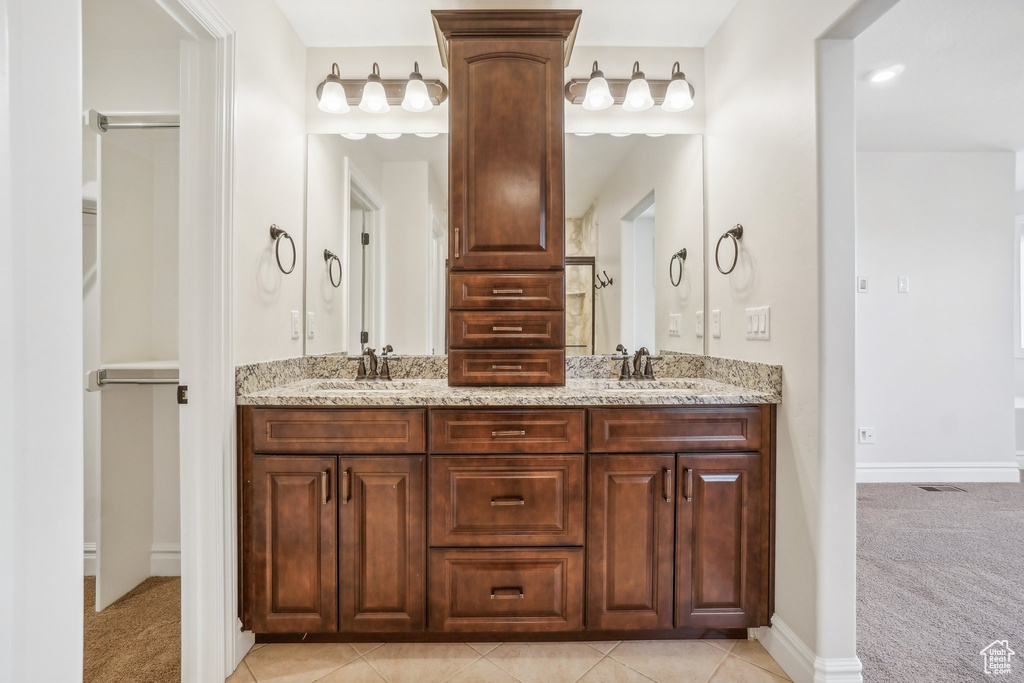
507	181
295	544
383	544
719	548
630	542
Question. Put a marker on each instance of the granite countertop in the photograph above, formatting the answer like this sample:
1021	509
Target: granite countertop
436	392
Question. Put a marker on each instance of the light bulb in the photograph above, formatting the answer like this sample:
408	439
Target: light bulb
678	95
598	95
331	94
638	93
416	99
374	100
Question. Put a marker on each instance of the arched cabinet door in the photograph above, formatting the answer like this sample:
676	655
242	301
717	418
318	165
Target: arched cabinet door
507	180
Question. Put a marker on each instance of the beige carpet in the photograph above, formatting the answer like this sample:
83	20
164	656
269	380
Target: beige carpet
138	638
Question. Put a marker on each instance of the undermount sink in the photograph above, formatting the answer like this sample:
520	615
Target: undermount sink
352	385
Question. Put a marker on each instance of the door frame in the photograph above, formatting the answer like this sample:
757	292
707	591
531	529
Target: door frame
212	640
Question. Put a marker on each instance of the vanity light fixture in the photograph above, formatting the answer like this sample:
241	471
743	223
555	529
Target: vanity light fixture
679	94
638	94
416	99
885	73
375	100
598	95
388	136
353	136
331	93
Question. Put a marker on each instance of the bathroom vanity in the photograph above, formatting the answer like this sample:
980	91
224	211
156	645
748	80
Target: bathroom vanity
422	511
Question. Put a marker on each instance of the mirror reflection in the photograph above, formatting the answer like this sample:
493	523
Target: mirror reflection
377	236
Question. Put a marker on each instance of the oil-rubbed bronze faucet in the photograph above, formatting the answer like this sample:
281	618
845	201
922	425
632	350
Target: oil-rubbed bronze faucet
367	371
624	371
385	371
638	367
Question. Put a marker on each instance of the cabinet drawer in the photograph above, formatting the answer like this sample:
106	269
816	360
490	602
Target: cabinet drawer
507	329
511	500
506	431
506	368
506	590
633	430
513	291
276	430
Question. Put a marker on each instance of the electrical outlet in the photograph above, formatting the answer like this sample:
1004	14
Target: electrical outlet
866	435
862	284
700	323
759	323
903	285
675	324
296	325
310	325
716	323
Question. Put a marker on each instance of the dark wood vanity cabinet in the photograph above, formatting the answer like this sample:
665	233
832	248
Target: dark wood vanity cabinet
510	520
506	193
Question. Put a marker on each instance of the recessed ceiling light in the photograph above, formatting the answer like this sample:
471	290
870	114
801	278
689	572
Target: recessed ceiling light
389	136
620	135
583	135
427	135
886	73
353	136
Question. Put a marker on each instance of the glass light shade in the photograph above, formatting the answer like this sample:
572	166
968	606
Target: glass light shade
374	100
332	98
638	96
416	98
598	96
427	135
677	96
388	136
353	136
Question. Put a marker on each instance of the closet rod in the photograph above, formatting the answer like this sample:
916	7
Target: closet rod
101	379
106	124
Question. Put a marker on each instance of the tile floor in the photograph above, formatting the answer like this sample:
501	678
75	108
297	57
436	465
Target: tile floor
666	661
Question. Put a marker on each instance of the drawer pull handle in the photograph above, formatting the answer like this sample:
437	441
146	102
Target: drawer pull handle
510	432
496	328
507	502
325	488
667	481
506	593
506	367
345	492
688	493
500	292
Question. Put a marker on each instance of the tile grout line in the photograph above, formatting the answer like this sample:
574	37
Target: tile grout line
357	657
370	664
458	671
590	668
717	666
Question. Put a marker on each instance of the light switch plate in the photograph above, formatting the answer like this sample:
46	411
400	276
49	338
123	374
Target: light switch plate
759	323
903	285
700	323
716	323
862	284
296	325
866	435
675	324
310	325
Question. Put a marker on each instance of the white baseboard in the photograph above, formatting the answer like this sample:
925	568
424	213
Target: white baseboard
799	661
1020	460
165	559
937	472
90	559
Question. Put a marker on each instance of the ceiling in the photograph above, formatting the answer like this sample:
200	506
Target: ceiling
661	23
963	87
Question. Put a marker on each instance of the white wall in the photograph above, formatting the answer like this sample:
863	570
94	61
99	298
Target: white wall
762	171
40	362
934	366
671	167
269	170
406	255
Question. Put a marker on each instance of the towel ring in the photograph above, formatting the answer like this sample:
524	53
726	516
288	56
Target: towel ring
277	234
736	234
679	256
331	258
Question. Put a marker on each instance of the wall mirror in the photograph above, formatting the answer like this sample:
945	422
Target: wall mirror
377	236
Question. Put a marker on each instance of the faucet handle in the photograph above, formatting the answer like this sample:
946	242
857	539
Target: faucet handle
620	349
361	371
